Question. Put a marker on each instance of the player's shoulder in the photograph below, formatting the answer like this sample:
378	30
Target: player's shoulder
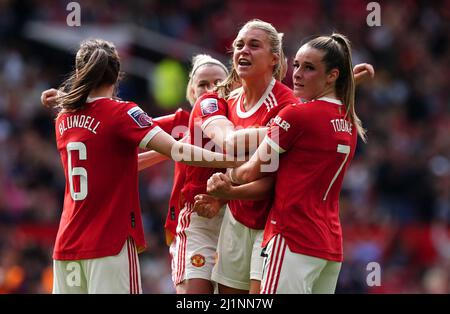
207	95
209	103
130	109
283	93
322	105
181	116
114	101
182	113
115	104
295	112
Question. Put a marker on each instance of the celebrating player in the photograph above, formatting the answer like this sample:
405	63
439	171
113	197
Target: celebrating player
100	231
315	142
245	214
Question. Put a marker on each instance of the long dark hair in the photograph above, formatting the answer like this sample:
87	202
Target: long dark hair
338	55
97	63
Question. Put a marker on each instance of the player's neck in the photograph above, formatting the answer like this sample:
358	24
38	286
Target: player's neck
254	89
102	91
328	93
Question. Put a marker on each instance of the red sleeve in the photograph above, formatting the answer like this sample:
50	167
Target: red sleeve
134	125
175	124
285	129
209	107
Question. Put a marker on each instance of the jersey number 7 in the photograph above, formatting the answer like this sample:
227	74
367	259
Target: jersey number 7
343	149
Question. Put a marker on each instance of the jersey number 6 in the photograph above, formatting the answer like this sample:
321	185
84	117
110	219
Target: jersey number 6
77	171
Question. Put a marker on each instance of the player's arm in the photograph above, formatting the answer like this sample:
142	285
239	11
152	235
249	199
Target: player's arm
49	97
188	154
362	72
239	142
150	158
245	141
263	162
207	205
218	130
219	185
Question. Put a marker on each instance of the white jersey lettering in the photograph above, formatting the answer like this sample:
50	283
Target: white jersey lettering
341	125
78	121
282	123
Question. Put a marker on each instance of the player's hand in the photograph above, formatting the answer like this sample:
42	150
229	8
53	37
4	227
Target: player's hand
362	72
48	97
206	205
219	185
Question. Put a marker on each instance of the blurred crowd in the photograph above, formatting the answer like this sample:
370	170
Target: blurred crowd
395	204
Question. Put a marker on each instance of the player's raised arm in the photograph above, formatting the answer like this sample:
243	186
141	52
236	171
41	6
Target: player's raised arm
49	97
362	72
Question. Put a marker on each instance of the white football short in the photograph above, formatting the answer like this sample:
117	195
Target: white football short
288	272
194	249
111	274
239	254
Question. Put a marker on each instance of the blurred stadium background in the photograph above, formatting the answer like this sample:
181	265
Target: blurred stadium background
395	206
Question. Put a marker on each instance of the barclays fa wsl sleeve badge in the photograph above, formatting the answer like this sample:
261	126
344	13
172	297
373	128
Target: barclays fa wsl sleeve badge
209	106
140	117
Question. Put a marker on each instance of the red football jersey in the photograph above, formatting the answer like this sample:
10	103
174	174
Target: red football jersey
207	108
316	144
176	202
253	214
98	146
177	125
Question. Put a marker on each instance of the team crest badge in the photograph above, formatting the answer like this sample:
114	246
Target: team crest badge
209	106
140	117
198	260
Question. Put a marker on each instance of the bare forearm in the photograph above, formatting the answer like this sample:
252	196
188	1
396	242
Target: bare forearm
188	154
245	141
150	158
196	156
257	190
246	173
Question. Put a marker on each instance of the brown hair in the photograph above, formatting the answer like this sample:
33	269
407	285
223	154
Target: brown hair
96	63
338	56
276	45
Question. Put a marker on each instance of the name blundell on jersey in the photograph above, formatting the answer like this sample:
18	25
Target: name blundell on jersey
78	121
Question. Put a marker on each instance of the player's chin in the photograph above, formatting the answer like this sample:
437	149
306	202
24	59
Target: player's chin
244	72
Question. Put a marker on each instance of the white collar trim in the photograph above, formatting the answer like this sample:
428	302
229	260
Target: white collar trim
246	114
89	99
332	100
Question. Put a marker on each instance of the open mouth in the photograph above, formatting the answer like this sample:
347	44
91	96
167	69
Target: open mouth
244	62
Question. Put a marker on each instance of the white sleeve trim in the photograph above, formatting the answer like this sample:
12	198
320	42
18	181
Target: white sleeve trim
148	137
210	119
274	145
163	117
